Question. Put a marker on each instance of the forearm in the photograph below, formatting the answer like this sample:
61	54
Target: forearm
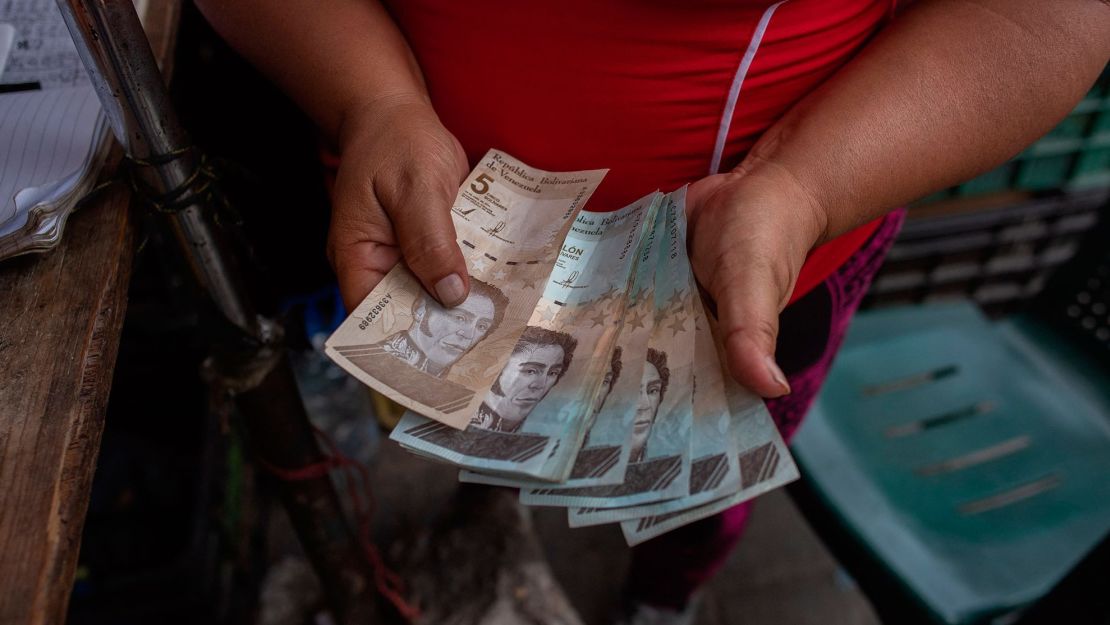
333	58
951	89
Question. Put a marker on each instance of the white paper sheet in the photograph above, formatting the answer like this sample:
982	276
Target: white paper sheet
44	136
7	37
43	51
51	125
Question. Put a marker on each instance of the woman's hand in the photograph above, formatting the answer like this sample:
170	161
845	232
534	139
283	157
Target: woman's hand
399	172
952	88
749	233
351	70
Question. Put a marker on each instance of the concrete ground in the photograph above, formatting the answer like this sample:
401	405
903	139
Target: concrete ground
780	574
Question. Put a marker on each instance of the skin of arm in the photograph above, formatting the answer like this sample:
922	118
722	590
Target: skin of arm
333	58
949	90
348	66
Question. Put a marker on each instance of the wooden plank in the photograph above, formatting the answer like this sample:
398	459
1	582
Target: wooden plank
60	319
62	314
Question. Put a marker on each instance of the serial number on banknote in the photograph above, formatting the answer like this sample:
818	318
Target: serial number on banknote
375	310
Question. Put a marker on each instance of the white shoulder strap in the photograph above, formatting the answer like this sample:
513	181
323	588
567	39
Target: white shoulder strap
737	82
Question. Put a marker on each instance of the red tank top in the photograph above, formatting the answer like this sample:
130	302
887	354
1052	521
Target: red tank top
660	92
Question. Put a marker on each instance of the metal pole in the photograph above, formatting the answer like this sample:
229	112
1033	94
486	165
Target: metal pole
121	64
113	47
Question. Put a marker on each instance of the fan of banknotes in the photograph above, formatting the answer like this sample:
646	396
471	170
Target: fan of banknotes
582	369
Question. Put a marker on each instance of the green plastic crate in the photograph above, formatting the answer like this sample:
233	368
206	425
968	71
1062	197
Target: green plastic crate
969	458
1093	169
1041	173
991	182
1100	129
1066	137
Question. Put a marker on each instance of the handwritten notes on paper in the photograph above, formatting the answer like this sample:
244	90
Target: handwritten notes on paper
52	131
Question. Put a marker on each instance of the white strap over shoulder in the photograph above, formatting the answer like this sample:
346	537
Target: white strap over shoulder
737	83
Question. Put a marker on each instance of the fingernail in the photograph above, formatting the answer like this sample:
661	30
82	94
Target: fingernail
776	374
450	290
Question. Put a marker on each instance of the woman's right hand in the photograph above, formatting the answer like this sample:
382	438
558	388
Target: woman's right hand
398	175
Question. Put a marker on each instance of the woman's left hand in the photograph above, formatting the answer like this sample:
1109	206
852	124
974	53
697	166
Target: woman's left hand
749	233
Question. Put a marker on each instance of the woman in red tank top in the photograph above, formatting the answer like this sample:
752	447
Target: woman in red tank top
799	123
661	94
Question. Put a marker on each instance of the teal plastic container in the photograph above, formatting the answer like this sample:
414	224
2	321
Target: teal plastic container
1042	173
1093	169
993	181
1100	130
970	458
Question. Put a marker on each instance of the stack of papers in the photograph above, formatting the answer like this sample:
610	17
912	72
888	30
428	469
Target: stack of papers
7	36
53	135
51	143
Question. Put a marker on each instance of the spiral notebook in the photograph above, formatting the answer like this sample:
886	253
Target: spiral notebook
54	137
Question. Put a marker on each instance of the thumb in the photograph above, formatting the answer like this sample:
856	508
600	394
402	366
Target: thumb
425	233
358	269
748	304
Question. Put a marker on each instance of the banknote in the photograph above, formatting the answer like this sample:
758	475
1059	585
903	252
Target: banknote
603	455
763	459
714	470
511	220
533	418
659	458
